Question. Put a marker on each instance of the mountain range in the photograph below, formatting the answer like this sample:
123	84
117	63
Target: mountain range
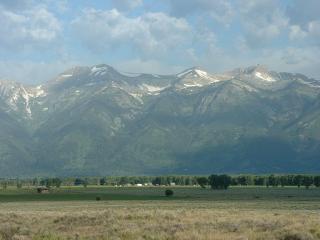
100	121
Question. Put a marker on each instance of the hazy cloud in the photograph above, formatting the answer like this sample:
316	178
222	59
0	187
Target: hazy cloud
157	36
150	35
262	20
28	28
16	4
303	12
220	10
32	72
296	33
126	5
305	20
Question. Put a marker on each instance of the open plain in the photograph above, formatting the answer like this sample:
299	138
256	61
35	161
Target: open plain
145	213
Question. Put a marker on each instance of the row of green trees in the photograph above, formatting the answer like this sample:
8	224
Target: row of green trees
214	181
224	181
149	180
51	182
277	180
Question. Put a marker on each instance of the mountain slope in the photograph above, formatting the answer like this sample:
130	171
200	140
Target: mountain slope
96	120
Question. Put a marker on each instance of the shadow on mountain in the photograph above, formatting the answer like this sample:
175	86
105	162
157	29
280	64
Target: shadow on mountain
255	155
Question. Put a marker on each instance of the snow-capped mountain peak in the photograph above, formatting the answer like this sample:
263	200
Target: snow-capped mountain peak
102	69
196	77
262	73
264	76
192	72
18	97
81	82
258	74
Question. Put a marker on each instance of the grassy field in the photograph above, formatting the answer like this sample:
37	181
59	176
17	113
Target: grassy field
145	213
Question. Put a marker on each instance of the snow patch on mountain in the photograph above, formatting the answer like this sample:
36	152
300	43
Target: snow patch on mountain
66	75
184	73
36	92
25	95
152	88
20	98
99	70
129	74
197	73
14	99
196	77
23	99
39	91
264	76
201	73
192	85
137	96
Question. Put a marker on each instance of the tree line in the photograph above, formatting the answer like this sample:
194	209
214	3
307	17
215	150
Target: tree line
215	181
224	181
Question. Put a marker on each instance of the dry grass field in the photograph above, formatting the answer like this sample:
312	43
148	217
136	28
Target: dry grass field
210	218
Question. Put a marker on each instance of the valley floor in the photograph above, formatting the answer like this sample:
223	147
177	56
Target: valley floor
192	213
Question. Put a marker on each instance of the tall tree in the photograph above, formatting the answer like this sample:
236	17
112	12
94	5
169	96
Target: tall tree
202	181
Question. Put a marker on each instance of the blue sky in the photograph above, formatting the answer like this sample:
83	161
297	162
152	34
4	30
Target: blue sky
40	39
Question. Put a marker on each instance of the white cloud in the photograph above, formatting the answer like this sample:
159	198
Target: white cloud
305	21
296	59
60	6
303	60
309	34
314	30
149	35
34	27
262	20
296	33
220	10
302	12
186	33
16	4
126	5
294	56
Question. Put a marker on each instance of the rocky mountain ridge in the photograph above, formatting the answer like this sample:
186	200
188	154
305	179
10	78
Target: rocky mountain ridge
97	120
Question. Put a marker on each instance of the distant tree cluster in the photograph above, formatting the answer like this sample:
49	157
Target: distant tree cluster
277	180
149	180
80	181
214	181
51	182
203	181
219	181
224	181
